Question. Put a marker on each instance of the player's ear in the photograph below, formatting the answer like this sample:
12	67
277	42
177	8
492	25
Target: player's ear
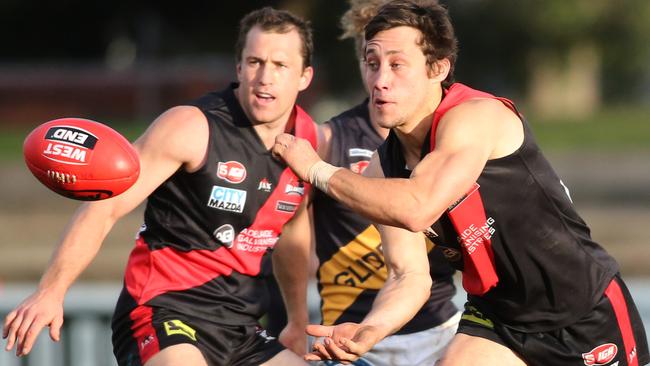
238	69
305	78
439	70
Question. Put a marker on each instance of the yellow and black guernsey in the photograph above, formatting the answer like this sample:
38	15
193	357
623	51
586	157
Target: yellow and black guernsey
351	265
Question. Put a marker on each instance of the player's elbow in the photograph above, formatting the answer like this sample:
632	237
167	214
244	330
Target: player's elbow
416	222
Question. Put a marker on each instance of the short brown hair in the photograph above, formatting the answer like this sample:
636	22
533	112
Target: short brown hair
354	20
430	18
279	21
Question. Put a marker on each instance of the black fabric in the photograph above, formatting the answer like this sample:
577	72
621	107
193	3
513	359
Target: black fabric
570	345
220	344
550	271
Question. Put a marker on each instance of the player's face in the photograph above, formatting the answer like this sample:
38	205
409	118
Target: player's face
270	75
398	79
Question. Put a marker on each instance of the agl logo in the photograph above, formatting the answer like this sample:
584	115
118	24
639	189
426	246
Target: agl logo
231	171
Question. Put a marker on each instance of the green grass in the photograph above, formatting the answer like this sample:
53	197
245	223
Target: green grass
614	129
12	137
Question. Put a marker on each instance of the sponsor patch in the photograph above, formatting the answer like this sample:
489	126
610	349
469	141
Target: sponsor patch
72	135
355	152
264	185
286	206
231	171
600	355
178	327
359	166
146	341
227	199
291	189
253	240
225	234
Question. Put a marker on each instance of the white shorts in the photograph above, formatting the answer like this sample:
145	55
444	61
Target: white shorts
414	349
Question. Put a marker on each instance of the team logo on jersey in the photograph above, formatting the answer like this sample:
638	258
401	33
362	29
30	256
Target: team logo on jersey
227	199
359	166
262	333
225	234
264	185
600	355
356	152
291	189
178	327
231	171
286	206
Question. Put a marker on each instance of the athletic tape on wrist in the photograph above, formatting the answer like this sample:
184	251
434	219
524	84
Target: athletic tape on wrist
320	174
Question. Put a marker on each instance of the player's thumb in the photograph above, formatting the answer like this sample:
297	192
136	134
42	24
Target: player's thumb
55	328
318	330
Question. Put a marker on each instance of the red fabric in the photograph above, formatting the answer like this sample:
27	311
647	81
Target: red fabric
144	333
151	273
455	95
468	216
616	298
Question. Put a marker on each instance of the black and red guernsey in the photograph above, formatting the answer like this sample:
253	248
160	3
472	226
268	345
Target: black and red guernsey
527	257
202	250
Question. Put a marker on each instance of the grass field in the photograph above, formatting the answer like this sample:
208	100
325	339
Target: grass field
614	129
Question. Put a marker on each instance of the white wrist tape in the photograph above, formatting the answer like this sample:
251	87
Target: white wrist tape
320	174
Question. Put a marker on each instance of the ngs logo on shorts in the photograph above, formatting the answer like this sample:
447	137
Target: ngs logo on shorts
227	199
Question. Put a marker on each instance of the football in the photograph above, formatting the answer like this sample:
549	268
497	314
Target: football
81	159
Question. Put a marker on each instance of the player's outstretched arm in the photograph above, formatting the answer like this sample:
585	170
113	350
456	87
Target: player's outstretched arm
467	136
291	268
162	149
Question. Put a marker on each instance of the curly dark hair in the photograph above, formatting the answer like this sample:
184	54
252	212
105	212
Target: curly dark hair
430	18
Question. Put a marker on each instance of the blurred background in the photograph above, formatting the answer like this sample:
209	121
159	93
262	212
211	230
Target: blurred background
579	70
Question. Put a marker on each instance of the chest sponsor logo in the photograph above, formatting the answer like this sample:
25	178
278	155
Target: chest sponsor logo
225	234
66	153
286	206
356	152
227	199
264	185
72	135
600	355
359	166
474	236
294	189
231	171
251	240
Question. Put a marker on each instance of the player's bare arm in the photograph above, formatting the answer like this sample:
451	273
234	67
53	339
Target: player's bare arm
465	140
291	267
162	149
405	291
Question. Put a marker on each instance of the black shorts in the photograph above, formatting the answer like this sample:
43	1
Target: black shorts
611	334
141	333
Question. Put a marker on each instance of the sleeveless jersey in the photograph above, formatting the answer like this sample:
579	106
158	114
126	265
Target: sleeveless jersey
549	271
351	265
205	235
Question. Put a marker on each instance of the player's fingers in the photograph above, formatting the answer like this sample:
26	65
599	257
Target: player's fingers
319	330
353	347
8	321
313	356
21	334
55	328
338	353
31	334
12	330
320	348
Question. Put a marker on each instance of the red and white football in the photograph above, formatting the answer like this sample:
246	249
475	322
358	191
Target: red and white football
81	159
